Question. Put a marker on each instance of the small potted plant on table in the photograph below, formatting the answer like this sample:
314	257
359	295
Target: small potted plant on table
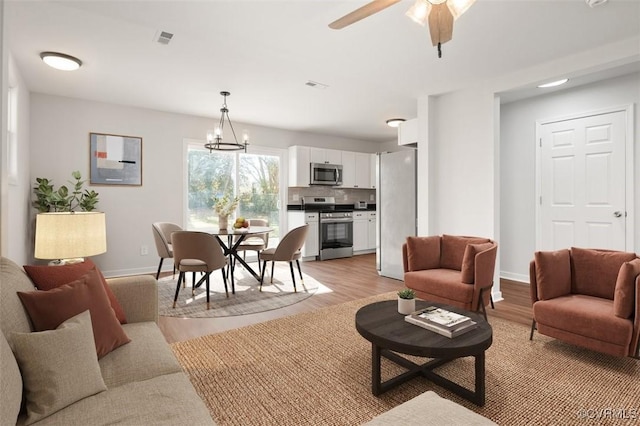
406	301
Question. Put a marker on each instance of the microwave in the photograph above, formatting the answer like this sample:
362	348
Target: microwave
326	174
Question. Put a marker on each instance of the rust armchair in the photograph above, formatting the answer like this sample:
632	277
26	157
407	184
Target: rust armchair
587	297
455	270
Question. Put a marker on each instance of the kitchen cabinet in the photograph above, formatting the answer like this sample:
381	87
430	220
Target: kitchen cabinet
356	170
408	132
364	231
299	169
372	230
373	180
328	156
311	247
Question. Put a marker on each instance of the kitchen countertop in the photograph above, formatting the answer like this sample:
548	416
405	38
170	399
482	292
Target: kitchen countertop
298	207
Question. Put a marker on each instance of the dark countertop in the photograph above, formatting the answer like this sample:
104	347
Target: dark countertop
298	207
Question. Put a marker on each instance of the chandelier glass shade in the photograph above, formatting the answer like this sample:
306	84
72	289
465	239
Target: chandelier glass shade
215	141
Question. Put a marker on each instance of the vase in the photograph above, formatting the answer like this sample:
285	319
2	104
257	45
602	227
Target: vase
406	306
223	222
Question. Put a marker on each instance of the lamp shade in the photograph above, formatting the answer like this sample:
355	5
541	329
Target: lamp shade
67	235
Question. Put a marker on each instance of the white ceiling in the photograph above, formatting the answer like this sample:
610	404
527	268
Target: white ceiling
264	52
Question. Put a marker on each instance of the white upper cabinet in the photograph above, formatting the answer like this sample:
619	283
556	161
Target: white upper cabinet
299	165
373	163
356	170
408	132
328	156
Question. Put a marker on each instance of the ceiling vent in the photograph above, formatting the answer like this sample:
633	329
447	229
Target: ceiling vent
316	85
163	37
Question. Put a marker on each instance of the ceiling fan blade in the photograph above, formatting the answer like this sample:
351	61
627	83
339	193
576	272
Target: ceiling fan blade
361	13
440	24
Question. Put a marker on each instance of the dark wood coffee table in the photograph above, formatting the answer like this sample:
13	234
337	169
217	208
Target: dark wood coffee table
382	325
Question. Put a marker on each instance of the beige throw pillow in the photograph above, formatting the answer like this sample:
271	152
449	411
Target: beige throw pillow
59	367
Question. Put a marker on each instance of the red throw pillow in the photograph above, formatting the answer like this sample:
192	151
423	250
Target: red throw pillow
553	273
624	297
423	253
49	309
48	277
468	274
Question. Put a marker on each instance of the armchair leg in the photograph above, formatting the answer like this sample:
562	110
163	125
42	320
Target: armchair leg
491	300
533	327
160	267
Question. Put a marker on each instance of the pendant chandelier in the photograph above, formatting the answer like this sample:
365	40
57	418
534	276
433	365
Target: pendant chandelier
215	141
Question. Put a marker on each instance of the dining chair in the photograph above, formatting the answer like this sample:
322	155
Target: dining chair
257	242
287	250
197	252
162	237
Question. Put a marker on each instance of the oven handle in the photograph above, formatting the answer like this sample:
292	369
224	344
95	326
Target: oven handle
334	220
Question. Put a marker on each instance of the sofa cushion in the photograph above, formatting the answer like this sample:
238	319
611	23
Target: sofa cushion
126	364
164	400
587	316
13	317
443	283
49	309
624	295
10	383
469	261
59	367
423	253
553	273
452	250
594	272
46	277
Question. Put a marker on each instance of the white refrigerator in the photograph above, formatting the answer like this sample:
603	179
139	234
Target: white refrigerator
396	209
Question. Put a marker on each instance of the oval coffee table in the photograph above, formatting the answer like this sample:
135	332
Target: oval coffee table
382	325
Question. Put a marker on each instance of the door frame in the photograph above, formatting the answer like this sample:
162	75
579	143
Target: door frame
629	169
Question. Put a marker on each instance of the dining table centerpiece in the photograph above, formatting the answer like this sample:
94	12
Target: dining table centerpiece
223	207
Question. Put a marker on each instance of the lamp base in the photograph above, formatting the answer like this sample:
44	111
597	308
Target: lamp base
60	262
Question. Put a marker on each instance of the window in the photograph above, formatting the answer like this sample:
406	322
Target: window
255	178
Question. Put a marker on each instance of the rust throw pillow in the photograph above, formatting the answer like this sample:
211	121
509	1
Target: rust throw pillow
553	273
623	299
469	261
423	253
49	309
46	277
453	247
594	272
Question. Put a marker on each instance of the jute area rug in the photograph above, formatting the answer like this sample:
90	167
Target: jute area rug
315	369
248	298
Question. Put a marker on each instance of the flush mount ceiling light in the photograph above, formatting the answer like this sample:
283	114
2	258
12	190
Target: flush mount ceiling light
440	15
553	83
61	61
214	137
394	122
594	3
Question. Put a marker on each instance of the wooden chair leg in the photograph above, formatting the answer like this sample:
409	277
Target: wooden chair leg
293	277
193	284
160	267
273	264
533	327
300	271
224	279
180	278
207	284
491	300
264	268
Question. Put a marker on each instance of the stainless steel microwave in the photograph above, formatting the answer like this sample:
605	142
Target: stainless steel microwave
326	174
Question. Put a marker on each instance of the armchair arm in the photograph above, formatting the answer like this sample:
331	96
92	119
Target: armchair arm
138	296
533	284
405	260
634	348
485	264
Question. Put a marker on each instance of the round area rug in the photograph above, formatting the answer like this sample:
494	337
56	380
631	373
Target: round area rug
248	298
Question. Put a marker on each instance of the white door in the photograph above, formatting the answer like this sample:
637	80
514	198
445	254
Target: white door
582	182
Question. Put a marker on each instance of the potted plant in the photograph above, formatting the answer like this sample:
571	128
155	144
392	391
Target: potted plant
406	301
49	199
223	208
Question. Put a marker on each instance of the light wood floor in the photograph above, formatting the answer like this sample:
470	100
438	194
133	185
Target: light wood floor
349	279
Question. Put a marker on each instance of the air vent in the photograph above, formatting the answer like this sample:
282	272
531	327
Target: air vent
163	37
316	85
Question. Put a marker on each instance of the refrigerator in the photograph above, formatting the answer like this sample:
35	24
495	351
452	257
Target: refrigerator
396	192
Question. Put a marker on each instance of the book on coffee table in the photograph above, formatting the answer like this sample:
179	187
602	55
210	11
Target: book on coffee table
441	317
449	332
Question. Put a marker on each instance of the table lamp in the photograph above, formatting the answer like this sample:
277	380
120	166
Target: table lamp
68	237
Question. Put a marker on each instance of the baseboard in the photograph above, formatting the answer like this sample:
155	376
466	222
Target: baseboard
496	296
514	277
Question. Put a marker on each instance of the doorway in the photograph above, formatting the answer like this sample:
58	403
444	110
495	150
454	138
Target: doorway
584	185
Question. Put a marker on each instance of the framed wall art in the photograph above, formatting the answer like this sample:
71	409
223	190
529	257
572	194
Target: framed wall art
115	160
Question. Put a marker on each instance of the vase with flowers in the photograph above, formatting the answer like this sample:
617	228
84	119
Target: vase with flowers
223	207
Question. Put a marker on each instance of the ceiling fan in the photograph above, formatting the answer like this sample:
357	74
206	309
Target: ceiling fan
440	15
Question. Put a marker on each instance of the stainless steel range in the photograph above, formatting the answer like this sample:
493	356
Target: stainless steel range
336	227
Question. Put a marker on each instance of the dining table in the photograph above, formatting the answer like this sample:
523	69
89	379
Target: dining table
235	237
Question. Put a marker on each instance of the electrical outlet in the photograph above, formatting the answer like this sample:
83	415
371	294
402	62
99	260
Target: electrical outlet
372	197
144	250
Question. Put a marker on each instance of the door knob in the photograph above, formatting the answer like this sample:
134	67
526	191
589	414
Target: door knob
617	214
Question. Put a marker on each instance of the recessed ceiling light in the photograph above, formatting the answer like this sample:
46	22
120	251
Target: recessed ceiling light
394	122
60	61
553	83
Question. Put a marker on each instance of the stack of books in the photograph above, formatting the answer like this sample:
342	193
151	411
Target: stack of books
441	321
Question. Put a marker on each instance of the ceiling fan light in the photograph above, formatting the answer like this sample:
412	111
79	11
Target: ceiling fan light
458	7
419	12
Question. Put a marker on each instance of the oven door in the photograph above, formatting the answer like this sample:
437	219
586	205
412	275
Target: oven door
336	233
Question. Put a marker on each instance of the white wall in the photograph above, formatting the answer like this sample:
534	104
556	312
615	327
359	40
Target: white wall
517	148
60	130
18	191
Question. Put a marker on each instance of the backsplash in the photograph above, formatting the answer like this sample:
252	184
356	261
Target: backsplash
342	195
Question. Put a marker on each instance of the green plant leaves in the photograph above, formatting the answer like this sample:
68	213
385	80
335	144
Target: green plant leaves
48	199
